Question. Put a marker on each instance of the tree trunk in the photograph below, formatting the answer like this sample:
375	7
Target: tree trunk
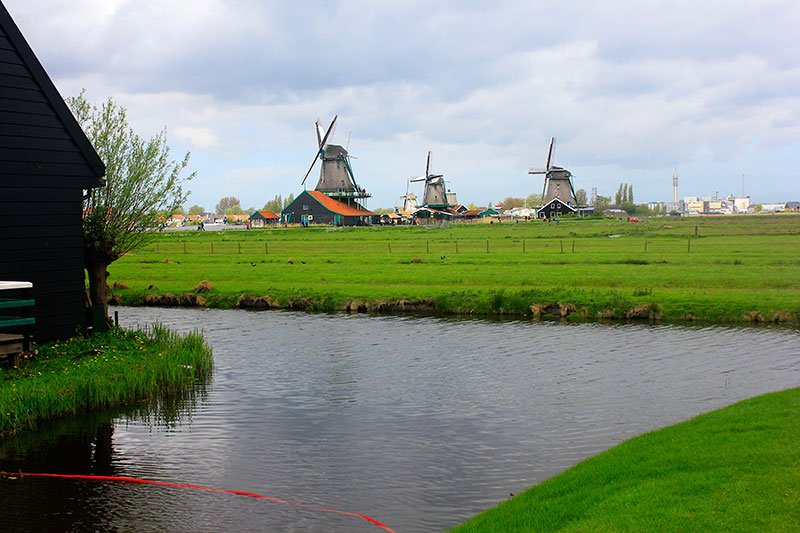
97	269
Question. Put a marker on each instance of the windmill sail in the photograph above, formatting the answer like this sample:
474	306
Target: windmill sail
336	177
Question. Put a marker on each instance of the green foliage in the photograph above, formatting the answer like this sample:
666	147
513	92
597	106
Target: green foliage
229	205
140	180
103	370
580	197
276	205
196	210
533	199
510	202
602	203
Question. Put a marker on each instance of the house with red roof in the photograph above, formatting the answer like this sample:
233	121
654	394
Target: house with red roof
259	219
315	207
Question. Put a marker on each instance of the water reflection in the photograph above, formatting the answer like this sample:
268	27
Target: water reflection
417	422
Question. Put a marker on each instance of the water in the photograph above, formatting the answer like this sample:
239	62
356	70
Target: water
416	422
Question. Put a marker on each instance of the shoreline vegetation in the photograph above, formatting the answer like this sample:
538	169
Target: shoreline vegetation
735	469
103	370
709	270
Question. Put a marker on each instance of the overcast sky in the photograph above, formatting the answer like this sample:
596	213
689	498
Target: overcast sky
630	90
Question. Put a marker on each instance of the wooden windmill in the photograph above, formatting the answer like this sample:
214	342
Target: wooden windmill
435	195
336	177
558	194
409	199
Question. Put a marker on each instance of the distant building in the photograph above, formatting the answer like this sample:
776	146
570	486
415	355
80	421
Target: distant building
741	204
259	219
697	206
315	207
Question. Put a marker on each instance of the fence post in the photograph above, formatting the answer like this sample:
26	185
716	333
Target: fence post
184	247
562	246
390	247
240	247
573	246
266	248
645	246
212	248
487	247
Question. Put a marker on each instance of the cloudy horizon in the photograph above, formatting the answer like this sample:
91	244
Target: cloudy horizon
631	92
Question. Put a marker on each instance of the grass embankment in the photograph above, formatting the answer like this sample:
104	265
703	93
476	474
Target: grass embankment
736	469
737	269
99	371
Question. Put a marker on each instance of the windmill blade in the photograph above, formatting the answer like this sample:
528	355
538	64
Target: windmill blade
550	152
428	165
418	178
321	149
320	133
537	171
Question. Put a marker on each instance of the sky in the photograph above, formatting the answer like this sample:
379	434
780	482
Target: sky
631	91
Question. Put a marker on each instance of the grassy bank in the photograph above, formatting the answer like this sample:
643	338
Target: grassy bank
733	469
711	269
100	371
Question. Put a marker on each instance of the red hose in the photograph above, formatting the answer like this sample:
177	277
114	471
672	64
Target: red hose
240	493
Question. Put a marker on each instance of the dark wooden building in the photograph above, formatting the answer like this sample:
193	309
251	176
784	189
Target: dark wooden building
555	208
46	164
315	207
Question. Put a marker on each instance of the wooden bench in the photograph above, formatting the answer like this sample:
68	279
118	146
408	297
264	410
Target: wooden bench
11	344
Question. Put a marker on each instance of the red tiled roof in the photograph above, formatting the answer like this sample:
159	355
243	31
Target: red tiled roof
338	207
268	214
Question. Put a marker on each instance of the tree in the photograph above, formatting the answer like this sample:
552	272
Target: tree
602	203
630	193
511	203
618	196
533	199
276	205
580	197
196	209
140	181
228	205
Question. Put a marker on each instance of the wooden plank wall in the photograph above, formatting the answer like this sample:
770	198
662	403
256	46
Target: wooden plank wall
42	175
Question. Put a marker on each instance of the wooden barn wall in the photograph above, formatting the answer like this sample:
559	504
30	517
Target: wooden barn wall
42	173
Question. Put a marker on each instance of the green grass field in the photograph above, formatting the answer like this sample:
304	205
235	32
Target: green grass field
737	269
736	469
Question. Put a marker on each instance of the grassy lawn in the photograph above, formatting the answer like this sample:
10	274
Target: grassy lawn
739	268
736	469
82	374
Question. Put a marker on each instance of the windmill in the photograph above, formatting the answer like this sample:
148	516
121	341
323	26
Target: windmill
435	195
409	199
557	181
336	177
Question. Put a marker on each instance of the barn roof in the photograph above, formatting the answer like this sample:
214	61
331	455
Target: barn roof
15	42
268	215
338	207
